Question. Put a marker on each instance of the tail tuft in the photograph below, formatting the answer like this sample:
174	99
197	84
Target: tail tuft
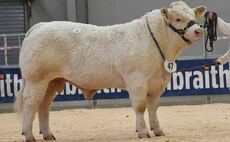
18	106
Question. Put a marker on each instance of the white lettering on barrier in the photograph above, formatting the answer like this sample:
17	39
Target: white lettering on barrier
207	79
79	91
169	86
61	93
17	84
112	90
70	89
223	73
8	85
178	85
188	75
199	80
2	88
106	90
214	73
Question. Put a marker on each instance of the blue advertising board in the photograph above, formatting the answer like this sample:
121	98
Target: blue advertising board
213	80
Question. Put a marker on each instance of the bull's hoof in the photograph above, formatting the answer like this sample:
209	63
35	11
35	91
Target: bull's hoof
29	138
32	139
143	135
159	133
49	137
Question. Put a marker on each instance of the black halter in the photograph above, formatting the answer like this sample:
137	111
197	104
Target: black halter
181	32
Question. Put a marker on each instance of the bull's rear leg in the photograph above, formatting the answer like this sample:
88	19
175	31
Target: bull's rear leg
44	117
44	108
137	88
152	104
32	97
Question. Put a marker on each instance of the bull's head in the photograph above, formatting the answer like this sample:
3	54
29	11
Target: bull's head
182	19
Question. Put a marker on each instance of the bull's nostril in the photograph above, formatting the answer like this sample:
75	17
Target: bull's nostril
199	32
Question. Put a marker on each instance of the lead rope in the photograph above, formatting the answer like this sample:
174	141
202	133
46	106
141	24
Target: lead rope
205	67
210	27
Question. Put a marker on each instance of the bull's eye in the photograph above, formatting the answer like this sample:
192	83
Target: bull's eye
178	19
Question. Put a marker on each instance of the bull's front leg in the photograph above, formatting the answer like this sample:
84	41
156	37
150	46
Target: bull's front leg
152	105
137	88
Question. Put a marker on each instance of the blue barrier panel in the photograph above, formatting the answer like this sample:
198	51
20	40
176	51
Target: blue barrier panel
214	80
193	82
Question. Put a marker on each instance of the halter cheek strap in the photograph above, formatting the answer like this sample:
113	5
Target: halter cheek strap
181	32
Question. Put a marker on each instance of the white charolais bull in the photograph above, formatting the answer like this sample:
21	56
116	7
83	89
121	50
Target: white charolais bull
92	57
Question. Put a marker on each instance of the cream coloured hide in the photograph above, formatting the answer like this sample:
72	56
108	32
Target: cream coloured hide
93	57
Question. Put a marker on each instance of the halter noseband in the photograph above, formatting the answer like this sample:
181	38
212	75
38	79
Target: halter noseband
181	32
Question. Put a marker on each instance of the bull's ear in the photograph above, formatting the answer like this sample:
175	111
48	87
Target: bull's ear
200	11
165	12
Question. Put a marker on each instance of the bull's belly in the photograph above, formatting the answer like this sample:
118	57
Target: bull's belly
97	80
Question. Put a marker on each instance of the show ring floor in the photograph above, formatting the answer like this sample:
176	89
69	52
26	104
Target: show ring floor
182	123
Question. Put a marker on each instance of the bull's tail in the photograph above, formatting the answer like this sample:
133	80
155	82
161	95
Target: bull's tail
18	105
224	26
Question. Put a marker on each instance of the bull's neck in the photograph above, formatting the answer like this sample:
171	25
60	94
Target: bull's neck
170	42
176	46
159	31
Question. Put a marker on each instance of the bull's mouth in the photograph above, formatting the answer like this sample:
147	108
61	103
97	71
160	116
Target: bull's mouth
198	37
